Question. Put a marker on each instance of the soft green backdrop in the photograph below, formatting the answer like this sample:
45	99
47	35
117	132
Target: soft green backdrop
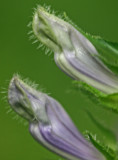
18	55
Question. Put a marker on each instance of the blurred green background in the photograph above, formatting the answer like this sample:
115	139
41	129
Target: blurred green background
18	55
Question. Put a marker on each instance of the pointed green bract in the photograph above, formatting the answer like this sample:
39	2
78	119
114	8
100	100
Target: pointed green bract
109	135
108	51
106	151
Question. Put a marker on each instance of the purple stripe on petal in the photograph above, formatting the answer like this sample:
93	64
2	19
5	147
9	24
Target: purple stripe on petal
36	133
100	76
82	59
64	119
63	128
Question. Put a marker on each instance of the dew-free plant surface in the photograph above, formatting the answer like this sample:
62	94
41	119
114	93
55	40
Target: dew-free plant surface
86	90
84	58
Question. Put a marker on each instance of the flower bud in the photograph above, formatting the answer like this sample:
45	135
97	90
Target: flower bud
49	123
73	52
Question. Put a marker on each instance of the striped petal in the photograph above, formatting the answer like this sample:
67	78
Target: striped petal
73	52
49	123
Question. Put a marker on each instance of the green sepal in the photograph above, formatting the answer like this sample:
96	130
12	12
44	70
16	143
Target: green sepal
105	150
108	51
109	135
110	101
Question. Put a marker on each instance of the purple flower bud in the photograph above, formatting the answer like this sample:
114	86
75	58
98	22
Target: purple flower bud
50	125
73	52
